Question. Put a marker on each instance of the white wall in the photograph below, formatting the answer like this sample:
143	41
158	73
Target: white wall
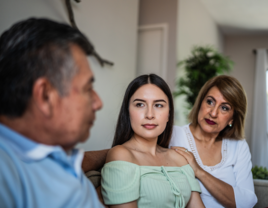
112	27
195	27
239	49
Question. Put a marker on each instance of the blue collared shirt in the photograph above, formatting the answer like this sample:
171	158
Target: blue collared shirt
36	175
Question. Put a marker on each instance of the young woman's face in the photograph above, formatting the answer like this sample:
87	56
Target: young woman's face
215	112
149	111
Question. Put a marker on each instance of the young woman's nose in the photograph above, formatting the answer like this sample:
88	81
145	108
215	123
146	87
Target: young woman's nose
149	113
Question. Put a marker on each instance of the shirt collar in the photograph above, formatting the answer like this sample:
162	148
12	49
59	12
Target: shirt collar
29	150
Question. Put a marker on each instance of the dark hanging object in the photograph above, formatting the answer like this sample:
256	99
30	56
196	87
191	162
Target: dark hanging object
93	52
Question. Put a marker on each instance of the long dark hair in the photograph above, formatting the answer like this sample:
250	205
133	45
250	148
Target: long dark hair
123	131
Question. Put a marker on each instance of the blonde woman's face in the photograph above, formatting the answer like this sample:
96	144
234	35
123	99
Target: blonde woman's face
149	111
215	112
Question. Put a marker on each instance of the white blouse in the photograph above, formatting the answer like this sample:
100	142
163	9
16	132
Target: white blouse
234	168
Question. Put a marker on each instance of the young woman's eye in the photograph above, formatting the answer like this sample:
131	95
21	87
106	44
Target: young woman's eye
158	105
139	104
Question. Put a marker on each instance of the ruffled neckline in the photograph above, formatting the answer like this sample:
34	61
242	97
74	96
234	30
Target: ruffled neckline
145	166
192	145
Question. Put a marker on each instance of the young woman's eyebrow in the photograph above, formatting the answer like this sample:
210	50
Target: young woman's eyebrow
156	101
140	100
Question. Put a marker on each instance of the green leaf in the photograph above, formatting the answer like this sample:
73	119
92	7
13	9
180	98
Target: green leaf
203	63
259	172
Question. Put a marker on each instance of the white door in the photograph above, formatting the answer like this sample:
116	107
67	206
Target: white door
152	50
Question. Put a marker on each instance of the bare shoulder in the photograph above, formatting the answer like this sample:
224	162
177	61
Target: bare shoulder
119	152
177	158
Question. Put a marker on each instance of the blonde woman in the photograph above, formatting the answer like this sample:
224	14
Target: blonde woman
213	144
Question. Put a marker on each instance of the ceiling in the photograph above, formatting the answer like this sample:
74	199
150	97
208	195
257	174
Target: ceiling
236	17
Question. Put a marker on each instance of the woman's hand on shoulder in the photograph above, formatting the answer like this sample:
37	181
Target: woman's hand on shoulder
121	153
189	156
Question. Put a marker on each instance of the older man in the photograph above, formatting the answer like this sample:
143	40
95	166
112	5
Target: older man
47	106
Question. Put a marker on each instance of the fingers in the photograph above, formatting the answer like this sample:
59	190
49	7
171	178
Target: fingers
180	148
183	152
186	155
173	147
177	147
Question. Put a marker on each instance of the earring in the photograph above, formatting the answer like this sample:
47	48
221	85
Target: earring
230	125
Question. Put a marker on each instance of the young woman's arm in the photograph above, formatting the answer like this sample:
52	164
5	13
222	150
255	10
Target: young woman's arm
119	153
195	201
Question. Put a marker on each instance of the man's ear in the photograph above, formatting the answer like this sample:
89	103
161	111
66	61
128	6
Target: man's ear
44	96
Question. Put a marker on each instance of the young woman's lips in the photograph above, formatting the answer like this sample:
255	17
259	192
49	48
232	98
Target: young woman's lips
149	126
210	122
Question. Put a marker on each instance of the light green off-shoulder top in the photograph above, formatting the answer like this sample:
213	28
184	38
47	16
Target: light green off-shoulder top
151	186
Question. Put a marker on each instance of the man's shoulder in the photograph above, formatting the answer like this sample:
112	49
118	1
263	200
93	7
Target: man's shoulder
9	161
7	154
22	177
6	160
9	177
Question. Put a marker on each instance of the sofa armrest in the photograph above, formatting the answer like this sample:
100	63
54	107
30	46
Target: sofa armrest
94	177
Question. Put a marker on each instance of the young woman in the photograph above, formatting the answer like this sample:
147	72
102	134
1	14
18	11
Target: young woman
140	171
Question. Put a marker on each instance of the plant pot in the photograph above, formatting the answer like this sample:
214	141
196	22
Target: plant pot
261	190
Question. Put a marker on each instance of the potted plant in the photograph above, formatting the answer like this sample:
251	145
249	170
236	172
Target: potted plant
203	64
260	173
260	176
